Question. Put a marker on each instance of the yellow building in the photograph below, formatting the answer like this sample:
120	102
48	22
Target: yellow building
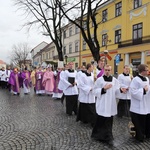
124	31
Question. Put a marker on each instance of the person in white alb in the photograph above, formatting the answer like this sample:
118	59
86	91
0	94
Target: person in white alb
105	89
8	72
86	111
70	89
3	77
124	98
61	82
140	105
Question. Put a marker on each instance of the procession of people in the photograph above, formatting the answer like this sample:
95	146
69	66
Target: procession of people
92	93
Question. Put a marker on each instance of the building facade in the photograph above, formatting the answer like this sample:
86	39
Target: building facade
35	53
123	33
71	44
49	55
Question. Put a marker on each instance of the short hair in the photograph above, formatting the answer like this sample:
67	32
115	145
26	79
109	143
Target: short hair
88	66
107	65
126	66
141	67
102	58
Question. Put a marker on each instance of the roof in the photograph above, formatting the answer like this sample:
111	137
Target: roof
38	45
2	62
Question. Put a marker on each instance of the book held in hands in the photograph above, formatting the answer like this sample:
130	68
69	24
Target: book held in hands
71	80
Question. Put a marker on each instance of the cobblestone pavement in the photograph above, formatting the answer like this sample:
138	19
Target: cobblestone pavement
30	122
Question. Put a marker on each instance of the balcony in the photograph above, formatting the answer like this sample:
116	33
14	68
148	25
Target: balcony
132	42
55	57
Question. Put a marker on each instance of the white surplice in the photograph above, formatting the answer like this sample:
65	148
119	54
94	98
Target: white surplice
67	89
106	104
124	82
139	101
85	84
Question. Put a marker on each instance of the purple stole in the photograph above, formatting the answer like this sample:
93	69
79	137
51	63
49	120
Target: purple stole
26	78
56	81
101	73
14	81
38	84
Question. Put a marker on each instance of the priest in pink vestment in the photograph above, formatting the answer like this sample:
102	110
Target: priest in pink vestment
48	80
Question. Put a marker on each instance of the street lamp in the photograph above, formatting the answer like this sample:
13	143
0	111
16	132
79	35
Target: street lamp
105	54
66	57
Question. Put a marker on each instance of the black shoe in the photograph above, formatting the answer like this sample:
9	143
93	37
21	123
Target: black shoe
69	114
110	142
85	122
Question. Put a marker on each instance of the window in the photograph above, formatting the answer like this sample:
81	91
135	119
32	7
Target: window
104	15
52	53
43	56
84	24
65	35
84	45
104	39
64	50
76	47
76	29
137	3
76	65
137	33
70	48
117	36
46	55
118	9
93	41
49	55
70	31
38	60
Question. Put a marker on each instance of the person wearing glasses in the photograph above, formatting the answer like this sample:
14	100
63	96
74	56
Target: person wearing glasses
106	89
140	103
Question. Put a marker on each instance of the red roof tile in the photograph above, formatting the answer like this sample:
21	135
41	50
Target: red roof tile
2	62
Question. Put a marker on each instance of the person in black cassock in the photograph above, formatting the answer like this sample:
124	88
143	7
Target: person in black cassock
105	89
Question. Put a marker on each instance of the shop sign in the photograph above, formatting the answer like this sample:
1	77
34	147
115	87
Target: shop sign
148	53
71	59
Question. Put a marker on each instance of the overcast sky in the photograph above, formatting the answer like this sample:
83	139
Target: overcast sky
11	33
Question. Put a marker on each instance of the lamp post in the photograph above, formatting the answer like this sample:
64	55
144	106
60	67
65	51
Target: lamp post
105	54
66	57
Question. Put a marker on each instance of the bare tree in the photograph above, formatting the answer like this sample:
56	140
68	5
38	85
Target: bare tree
47	15
19	54
83	13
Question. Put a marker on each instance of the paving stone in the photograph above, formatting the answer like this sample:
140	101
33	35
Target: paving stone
31	122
